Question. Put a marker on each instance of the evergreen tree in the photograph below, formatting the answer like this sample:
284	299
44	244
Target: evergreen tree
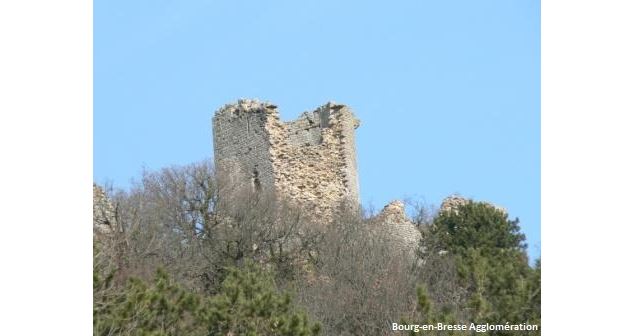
248	304
490	257
160	308
478	225
431	315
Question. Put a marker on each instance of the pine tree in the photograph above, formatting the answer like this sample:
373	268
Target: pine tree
489	253
431	315
478	225
248	304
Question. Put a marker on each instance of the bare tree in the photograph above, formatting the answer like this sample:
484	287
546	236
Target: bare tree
360	283
178	219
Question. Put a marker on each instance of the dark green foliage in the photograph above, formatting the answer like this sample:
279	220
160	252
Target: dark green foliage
431	315
159	308
248	304
533	295
500	285
489	253
478	225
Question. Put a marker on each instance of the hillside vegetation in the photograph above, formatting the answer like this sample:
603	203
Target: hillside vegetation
184	261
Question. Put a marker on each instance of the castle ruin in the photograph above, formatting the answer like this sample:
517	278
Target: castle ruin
311	160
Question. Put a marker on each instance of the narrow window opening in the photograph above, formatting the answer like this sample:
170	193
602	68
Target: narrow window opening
255	182
324	119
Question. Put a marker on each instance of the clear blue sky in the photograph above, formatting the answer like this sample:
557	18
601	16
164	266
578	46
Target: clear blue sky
448	91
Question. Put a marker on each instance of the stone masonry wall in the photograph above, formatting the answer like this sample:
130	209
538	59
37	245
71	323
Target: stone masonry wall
103	212
241	144
310	160
402	232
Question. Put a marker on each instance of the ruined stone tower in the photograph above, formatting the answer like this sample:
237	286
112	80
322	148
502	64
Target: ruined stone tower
310	160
